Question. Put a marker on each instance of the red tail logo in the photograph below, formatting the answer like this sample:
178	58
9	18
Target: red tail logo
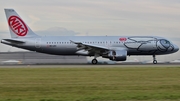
17	26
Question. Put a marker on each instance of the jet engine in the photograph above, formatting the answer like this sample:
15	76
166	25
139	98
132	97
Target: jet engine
116	55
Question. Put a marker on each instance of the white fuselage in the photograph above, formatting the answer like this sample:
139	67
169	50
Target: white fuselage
62	45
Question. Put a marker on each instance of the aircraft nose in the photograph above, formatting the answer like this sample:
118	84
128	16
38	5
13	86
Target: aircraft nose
176	48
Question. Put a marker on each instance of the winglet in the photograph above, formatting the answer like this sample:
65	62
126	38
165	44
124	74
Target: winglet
75	42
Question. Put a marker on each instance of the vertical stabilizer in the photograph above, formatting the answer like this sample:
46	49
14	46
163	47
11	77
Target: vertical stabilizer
18	28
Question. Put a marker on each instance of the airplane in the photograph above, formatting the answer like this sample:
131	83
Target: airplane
115	48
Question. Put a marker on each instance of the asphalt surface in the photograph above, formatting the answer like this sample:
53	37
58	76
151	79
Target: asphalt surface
88	65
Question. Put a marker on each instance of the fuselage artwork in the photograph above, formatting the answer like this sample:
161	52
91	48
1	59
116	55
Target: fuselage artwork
115	48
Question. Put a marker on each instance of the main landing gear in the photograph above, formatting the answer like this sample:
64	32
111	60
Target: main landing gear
154	59
94	61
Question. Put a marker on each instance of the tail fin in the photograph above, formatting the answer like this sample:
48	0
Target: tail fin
18	28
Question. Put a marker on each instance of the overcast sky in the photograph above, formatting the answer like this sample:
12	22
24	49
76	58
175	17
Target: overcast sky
96	17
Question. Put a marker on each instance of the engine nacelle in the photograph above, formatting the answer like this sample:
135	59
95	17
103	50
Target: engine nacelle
117	55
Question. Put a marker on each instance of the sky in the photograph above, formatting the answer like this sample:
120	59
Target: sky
96	17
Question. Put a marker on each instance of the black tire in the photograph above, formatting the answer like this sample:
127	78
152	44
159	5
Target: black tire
94	61
155	61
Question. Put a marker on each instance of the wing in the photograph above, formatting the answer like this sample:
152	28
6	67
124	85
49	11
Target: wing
90	48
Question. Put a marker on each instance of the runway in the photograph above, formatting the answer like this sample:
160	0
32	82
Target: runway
88	65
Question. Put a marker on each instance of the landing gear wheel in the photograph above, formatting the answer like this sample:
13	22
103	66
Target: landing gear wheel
94	61
155	61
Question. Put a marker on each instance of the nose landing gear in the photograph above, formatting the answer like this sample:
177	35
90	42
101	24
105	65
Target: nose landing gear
154	59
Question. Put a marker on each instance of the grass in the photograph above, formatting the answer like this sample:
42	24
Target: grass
90	84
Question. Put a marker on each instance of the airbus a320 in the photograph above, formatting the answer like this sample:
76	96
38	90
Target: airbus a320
115	48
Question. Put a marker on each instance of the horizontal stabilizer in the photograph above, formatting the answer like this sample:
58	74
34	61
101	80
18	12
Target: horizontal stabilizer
14	41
